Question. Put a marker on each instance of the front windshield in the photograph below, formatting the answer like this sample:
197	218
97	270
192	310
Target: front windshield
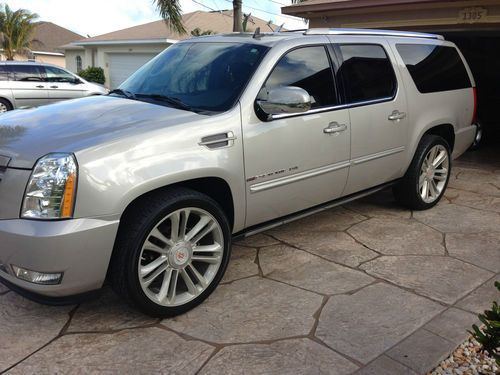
203	76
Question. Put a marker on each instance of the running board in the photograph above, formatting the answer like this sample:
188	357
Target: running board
309	211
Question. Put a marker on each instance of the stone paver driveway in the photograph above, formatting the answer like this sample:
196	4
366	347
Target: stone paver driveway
368	288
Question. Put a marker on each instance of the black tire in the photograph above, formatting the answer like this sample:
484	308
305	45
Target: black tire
406	191
6	103
136	226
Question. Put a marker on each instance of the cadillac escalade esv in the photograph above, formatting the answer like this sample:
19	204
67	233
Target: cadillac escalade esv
217	137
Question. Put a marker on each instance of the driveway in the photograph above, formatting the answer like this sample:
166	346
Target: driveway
366	287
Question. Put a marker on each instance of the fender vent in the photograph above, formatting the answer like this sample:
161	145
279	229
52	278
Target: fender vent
218	140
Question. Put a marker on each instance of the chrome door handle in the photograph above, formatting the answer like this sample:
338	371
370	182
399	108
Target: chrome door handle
54	87
334	127
40	86
396	115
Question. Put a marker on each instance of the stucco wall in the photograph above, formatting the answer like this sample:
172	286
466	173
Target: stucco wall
71	59
49	59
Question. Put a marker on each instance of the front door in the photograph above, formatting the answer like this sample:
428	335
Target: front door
62	85
294	162
378	113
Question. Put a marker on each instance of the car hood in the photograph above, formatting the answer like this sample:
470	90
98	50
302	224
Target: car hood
70	126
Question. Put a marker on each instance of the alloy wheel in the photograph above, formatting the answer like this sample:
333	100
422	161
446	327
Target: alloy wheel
434	174
180	257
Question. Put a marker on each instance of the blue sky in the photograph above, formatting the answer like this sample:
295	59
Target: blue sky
94	17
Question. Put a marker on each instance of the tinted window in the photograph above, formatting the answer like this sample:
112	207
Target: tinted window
367	73
4	73
58	75
205	76
308	68
27	72
434	68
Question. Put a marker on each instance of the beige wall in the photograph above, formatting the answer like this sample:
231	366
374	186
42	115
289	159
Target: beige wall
439	14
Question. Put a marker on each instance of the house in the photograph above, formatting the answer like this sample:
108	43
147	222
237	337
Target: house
122	52
46	41
473	25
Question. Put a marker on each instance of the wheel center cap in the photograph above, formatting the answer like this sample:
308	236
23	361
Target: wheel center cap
180	255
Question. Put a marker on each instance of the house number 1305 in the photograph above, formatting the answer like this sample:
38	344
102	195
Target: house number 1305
471	15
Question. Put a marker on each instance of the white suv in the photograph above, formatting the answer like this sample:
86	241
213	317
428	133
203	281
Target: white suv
219	137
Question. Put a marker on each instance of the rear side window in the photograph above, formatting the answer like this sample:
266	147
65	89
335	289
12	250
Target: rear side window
27	73
4	73
366	72
434	68
308	68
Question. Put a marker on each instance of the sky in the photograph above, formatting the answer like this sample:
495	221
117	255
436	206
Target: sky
95	17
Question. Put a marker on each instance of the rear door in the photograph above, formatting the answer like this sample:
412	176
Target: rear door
293	162
377	109
28	86
62	85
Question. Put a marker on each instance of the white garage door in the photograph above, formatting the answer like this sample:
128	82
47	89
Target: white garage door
122	65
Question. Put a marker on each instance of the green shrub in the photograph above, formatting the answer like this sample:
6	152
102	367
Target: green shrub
489	335
93	74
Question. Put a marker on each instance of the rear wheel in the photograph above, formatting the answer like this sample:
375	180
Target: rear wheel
171	252
5	105
427	177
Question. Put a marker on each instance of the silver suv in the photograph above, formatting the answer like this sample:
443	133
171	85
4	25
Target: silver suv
29	84
219	137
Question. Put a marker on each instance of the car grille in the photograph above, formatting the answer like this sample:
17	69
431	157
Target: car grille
4	163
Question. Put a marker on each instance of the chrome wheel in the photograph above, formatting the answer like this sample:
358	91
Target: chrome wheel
180	257
434	174
3	108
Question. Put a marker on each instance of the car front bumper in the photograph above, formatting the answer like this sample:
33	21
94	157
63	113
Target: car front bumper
80	249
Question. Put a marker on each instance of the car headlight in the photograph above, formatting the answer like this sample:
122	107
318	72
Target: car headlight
51	190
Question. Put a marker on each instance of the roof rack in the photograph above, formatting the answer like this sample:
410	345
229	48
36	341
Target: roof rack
373	32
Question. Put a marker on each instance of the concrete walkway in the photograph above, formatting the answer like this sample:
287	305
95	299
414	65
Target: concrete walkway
368	288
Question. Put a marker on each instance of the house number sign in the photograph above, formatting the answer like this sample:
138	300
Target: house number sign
472	15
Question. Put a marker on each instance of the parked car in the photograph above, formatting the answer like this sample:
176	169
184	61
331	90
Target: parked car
221	137
29	84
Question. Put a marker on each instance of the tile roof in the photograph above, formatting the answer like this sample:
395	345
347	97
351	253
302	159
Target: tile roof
218	22
49	36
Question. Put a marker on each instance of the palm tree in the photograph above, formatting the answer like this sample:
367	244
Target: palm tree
170	11
16	31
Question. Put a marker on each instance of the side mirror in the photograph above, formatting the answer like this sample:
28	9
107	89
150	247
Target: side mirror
77	81
289	99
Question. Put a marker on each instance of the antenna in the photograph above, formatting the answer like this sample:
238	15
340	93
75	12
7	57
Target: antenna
279	28
257	34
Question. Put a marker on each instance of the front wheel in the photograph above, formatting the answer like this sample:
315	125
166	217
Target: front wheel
427	177
171	252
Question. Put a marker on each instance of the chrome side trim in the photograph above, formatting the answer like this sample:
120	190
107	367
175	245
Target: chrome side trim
377	155
298	177
372	32
332	108
227	137
311	211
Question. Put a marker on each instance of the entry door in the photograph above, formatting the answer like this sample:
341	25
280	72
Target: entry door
61	85
28	85
296	162
378	113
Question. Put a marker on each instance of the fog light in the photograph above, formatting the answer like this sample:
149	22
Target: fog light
37	277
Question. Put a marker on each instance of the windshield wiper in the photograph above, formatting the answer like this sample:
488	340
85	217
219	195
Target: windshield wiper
125	93
168	99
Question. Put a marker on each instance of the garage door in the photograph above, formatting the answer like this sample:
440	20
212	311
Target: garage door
122	65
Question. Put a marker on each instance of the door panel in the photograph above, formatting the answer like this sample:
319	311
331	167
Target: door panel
28	86
296	162
61	86
378	113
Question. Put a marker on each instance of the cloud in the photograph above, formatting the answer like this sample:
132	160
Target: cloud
95	17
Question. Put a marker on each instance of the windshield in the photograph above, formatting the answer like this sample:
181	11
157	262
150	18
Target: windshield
201	76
